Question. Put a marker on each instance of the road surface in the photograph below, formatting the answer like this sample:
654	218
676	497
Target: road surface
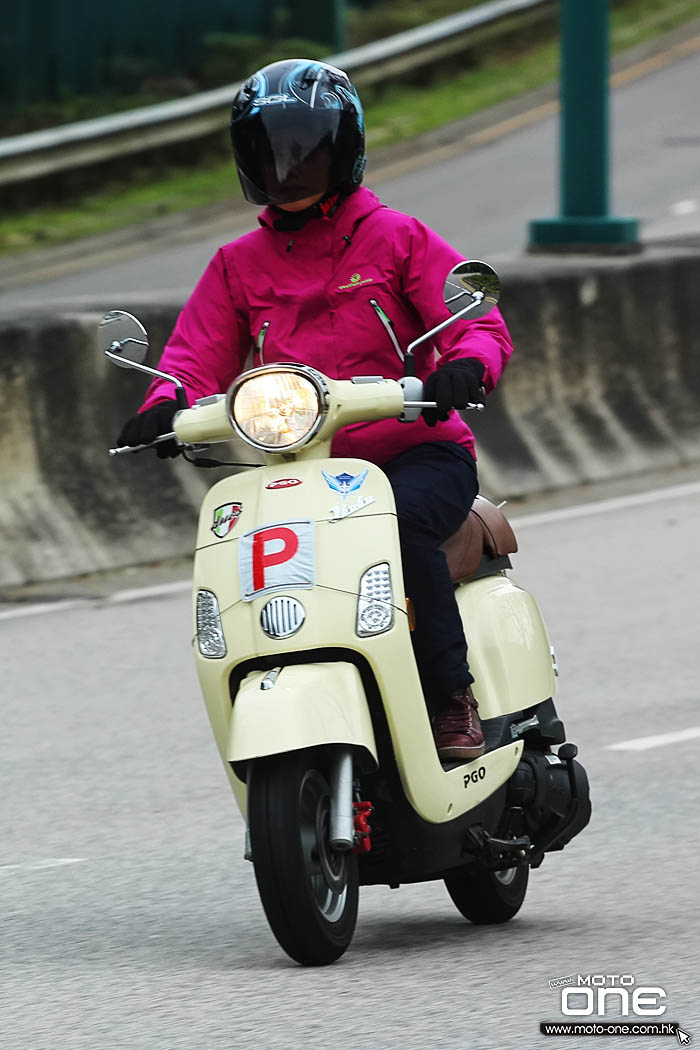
129	918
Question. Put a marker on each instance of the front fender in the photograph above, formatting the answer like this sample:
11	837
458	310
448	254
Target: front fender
309	705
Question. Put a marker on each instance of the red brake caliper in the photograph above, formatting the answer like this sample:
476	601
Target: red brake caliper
361	811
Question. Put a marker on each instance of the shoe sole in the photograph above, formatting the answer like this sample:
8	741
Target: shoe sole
447	754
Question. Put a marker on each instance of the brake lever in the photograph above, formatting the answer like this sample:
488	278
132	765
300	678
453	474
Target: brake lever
172	436
476	407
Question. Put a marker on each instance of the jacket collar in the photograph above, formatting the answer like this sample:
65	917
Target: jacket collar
346	217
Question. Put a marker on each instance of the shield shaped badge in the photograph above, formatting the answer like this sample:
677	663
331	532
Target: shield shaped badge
225	517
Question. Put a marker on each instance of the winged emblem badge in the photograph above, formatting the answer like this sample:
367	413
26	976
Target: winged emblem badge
345	484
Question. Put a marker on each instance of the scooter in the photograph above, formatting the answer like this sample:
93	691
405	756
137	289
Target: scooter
302	641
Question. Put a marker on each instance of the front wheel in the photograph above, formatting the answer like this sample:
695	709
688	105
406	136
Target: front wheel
309	891
488	897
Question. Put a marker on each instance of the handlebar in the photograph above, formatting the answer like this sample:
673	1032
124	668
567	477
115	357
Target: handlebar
172	436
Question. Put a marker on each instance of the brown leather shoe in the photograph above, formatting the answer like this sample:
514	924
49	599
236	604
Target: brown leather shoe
457	729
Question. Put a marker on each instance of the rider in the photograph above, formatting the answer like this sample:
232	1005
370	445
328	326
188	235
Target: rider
334	279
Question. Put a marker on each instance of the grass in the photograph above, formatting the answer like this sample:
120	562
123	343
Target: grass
402	113
364	24
117	207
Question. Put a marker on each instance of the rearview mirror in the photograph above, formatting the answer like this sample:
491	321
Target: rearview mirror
472	284
123	338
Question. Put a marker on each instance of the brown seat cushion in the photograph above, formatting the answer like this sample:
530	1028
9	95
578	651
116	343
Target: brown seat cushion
486	530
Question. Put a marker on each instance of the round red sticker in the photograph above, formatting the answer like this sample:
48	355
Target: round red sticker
283	483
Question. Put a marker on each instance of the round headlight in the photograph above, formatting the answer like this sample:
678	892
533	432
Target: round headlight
276	408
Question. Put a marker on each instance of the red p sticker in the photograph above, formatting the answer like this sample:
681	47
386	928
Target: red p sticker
264	555
278	556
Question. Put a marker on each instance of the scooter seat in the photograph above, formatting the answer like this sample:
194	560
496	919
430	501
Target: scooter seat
486	532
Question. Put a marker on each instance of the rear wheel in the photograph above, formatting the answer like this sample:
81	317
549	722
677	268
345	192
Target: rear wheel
309	891
488	897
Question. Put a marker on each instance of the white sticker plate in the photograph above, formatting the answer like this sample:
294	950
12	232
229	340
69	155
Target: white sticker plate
274	557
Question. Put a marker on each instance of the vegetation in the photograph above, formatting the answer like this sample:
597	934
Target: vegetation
504	70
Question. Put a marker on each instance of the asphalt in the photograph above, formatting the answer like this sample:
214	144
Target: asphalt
153	937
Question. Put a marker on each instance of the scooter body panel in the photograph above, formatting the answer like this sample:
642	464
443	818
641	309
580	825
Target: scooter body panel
509	649
344	535
308	705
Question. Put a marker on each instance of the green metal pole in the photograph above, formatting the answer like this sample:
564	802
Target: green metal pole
584	222
339	35
585	143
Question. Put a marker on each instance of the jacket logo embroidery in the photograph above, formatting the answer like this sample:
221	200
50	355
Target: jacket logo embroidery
356	281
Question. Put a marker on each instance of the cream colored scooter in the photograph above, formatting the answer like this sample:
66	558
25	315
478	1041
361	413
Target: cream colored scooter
303	650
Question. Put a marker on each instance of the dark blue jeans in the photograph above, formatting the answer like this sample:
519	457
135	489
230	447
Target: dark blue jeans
434	487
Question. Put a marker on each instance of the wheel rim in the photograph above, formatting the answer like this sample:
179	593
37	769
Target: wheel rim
507	876
326	869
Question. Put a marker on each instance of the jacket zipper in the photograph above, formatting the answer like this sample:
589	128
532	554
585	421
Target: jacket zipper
388	325
260	341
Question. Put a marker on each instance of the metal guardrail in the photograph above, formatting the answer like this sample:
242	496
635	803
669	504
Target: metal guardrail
79	145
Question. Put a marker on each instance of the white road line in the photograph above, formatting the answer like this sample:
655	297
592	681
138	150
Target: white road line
584	510
684	207
644	743
18	611
39	865
158	590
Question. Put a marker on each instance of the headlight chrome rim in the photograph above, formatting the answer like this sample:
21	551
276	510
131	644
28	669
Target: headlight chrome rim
310	374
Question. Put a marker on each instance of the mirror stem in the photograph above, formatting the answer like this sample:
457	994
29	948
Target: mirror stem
180	395
476	301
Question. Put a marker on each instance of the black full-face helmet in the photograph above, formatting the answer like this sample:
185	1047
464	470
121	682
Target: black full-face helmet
297	130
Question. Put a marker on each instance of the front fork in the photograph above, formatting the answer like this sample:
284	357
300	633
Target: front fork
348	827
342	824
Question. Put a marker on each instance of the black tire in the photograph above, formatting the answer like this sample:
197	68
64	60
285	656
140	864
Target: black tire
488	897
309	892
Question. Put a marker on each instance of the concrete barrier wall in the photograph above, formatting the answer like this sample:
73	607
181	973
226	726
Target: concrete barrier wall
65	506
605	382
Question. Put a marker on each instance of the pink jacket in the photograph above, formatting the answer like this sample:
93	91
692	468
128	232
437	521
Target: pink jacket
320	296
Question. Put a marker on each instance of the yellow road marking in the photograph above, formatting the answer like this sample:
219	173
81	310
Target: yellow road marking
656	62
505	127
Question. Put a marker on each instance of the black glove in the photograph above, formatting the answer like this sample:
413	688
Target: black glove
146	426
455	384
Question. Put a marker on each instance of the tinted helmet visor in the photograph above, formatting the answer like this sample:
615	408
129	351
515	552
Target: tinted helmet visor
282	157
